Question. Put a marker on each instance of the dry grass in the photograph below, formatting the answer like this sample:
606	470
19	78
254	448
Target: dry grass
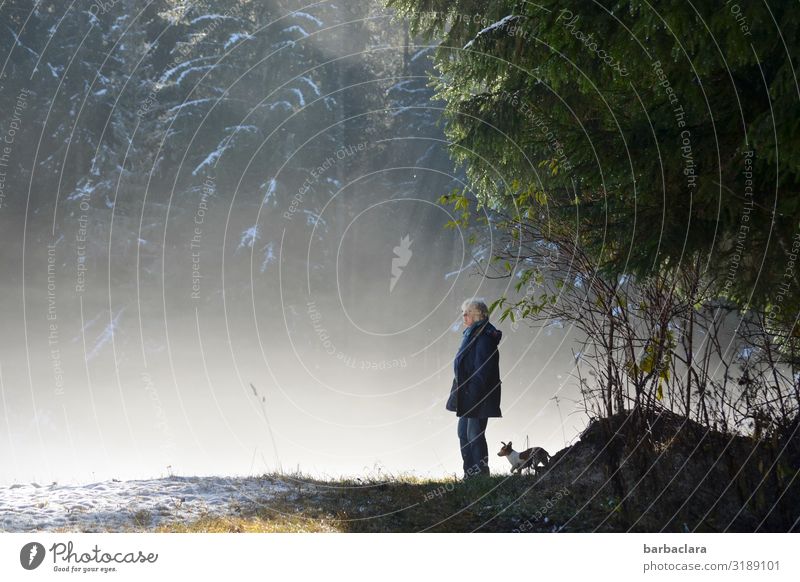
391	503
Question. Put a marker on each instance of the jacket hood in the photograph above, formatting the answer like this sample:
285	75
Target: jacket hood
495	334
489	331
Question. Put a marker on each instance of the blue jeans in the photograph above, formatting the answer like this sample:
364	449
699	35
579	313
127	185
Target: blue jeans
474	450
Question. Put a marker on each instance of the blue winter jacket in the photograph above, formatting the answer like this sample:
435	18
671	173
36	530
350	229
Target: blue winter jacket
475	392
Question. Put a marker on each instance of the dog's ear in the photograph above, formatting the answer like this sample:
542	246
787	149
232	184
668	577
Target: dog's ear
502	443
509	443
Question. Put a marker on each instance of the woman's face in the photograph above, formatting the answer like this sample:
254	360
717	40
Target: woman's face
470	316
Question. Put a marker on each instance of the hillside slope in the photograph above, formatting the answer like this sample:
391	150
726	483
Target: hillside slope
627	473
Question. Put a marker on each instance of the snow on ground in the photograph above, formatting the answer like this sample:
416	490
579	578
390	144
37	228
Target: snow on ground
129	505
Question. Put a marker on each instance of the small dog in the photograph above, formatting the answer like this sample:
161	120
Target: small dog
529	459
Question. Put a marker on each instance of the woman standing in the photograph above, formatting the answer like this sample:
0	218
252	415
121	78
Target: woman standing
475	393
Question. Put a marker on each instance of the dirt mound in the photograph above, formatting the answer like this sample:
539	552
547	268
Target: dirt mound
662	471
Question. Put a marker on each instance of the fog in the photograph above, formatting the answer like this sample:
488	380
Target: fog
288	299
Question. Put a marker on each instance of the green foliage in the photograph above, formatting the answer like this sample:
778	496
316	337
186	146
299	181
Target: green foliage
640	151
